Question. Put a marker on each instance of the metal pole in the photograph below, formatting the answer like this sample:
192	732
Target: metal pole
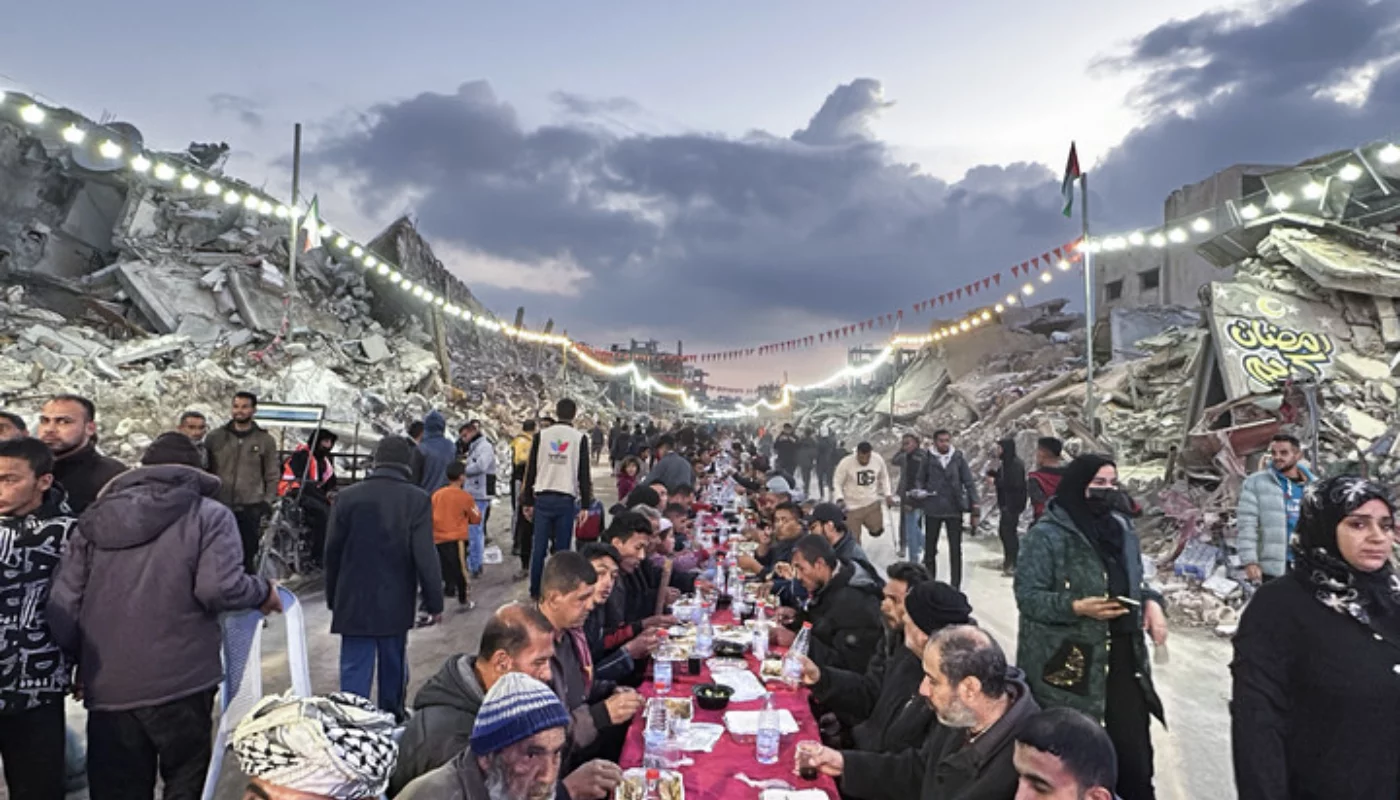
296	222
1089	406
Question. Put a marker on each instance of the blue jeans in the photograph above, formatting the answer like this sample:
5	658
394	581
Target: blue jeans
914	533
476	537
554	532
358	655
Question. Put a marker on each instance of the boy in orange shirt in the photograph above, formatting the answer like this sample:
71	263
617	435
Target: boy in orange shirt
454	511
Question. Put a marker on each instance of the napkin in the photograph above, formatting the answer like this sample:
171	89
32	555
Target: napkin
745	723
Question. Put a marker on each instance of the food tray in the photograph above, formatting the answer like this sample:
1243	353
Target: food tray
669	785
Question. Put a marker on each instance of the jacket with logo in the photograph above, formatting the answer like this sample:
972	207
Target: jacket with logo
559	464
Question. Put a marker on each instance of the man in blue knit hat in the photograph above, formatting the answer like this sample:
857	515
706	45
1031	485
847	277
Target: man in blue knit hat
517	746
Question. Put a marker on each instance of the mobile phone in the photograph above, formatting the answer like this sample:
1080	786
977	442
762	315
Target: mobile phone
1127	601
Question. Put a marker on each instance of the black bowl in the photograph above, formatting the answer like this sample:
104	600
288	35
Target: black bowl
712	696
727	649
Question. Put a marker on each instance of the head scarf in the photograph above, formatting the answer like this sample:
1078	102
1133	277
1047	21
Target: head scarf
1318	560
338	745
1094	520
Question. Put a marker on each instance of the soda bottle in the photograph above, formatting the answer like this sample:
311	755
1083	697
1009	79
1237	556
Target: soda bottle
704	635
792	662
769	734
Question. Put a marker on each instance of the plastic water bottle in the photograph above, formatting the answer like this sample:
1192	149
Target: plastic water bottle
769	734
661	666
760	641
721	586
654	736
792	662
704	636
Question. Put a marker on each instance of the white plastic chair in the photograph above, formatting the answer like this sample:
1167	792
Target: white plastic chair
242	685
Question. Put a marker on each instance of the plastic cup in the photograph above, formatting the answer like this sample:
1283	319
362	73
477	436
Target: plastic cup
805	756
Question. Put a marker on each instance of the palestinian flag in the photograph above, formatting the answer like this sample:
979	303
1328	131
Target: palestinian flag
1072	174
312	225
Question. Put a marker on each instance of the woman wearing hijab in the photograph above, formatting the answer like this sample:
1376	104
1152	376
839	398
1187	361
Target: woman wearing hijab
1316	708
1084	604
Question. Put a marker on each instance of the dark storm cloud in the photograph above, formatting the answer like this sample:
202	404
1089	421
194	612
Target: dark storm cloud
245	109
826	225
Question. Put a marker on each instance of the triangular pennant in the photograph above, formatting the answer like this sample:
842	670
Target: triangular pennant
997	278
1035	262
1015	270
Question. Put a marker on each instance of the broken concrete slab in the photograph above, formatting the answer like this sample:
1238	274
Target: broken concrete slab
164	292
1364	425
1363	368
143	349
374	348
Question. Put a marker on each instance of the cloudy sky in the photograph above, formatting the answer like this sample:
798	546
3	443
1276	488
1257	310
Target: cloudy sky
727	173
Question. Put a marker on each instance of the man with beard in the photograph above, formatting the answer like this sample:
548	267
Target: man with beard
829	520
982	705
566	599
910	460
844	609
1270	503
517	638
34	528
951	493
194	425
68	425
309	475
244	456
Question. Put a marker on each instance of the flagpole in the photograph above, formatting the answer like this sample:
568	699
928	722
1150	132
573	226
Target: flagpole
1089	406
296	222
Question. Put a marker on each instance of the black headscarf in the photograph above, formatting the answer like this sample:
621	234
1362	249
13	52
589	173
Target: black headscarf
1095	519
1371	598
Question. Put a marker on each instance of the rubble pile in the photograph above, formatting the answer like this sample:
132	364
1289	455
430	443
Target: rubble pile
152	303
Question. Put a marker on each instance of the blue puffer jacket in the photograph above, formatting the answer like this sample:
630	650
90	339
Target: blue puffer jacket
438	451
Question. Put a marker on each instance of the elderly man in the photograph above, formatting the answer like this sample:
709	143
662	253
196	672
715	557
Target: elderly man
315	748
516	753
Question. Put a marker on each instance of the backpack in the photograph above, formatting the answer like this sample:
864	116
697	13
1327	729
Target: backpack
592	527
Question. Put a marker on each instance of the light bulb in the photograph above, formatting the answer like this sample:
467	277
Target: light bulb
189	182
164	172
1281	201
1250	211
1200	225
341	243
371	262
1157	240
975	321
1044	277
265	207
32	114
280	212
74	135
1136	239
231	197
1176	236
1389	154
1095	246
110	149
357	251
251	202
1028	290
966	326
1011	299
986	316
326	231
140	164
1063	265
1000	308
1350	172
1312	190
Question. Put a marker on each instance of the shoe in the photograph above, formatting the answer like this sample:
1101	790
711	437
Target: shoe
476	574
423	621
521	575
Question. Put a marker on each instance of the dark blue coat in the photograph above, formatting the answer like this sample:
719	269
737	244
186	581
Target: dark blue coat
379	553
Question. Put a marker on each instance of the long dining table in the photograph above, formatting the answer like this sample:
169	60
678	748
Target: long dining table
712	776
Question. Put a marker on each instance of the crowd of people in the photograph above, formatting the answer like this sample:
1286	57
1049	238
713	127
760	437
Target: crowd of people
114	580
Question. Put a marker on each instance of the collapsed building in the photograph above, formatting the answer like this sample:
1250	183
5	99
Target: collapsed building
152	299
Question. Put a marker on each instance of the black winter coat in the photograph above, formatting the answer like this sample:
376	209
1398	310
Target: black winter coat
379	554
83	474
1011	480
951	491
882	706
1316	706
846	621
911	474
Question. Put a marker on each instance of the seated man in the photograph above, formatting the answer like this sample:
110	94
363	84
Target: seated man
983	705
516	639
633	599
315	748
844	608
1062	753
516	753
617	662
830	521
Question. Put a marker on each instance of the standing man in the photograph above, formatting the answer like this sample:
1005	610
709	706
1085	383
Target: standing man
910	460
862	482
672	469
454	512
194	425
807	462
244	456
34	528
379	554
558	488
480	458
826	464
952	492
1009	478
1268	512
520	527
785	450
12	426
598	437
1045	478
68	425
437	452
150	668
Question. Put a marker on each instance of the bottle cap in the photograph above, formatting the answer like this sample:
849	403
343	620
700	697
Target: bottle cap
653	774
806	626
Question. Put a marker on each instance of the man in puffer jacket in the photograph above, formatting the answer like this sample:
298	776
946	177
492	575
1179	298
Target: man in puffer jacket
152	564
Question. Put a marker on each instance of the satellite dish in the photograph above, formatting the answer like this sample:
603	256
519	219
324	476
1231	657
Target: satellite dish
88	155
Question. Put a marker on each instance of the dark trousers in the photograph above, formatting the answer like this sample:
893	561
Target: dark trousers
553	531
1126	719
358	656
954	526
826	478
317	513
126	749
249	519
1010	538
804	474
453	557
31	745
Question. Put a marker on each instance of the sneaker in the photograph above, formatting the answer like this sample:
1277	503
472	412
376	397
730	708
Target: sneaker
423	621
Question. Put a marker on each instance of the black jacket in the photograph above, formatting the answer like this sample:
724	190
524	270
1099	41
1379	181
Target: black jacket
826	453
882	706
379	553
846	621
1316	707
83	474
785	448
31	547
951	491
1011	480
911	474
947	767
445	711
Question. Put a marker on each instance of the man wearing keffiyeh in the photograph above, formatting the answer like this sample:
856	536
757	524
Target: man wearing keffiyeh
300	748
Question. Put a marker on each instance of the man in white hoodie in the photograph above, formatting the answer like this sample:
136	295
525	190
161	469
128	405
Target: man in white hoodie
862	482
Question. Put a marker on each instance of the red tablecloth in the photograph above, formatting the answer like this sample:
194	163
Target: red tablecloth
712	775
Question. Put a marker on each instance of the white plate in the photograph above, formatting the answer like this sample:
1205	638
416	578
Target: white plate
746	687
745	723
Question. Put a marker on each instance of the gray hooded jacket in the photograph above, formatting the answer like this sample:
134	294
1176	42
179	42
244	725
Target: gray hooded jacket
441	727
152	564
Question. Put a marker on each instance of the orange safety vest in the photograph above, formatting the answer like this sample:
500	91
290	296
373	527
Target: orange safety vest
291	480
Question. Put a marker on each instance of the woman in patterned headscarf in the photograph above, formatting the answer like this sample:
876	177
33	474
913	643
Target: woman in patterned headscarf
1316	708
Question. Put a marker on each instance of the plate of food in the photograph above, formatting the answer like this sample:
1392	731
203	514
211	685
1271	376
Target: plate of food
669	785
771	670
677	707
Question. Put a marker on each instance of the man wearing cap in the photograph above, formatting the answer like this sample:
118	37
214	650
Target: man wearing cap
152	564
517	749
862	483
830	521
315	748
379	554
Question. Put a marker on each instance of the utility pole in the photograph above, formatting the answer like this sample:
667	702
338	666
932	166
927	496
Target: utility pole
292	214
1089	318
